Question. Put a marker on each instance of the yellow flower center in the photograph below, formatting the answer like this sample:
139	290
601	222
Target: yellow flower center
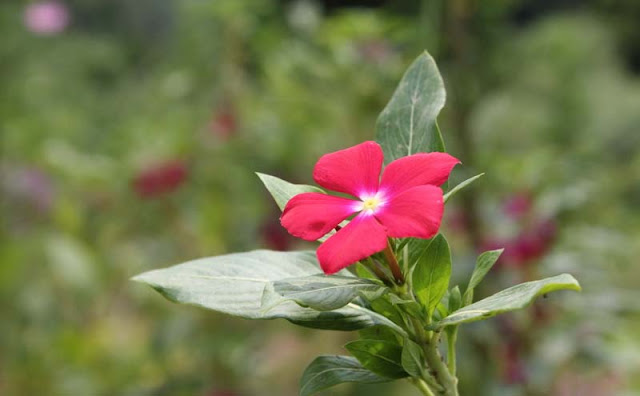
370	203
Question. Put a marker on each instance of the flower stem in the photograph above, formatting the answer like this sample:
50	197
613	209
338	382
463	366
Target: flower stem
393	264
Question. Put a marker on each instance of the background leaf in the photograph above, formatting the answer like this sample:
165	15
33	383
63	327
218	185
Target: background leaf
510	299
325	293
407	125
327	371
234	284
382	357
431	274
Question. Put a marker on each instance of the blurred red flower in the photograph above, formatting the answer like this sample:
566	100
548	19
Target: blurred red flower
160	179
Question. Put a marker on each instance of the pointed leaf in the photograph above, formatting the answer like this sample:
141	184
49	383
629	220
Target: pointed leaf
327	371
412	359
234	284
381	357
484	263
407	125
431	274
460	186
325	293
282	191
511	299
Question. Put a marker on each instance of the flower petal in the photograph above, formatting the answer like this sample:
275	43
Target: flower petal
311	215
354	171
361	238
416	170
416	212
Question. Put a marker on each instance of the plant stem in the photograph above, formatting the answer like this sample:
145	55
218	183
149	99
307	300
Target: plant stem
393	265
422	386
441	371
452	335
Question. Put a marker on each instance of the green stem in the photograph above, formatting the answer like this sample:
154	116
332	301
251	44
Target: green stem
441	372
422	386
452	335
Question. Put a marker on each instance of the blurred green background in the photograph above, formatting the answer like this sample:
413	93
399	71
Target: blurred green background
131	131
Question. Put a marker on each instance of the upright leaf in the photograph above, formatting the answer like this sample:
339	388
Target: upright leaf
431	274
407	125
327	371
460	186
325	293
234	284
282	191
382	357
483	264
511	299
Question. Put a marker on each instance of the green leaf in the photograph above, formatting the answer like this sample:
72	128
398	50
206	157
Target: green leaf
325	293
407	125
385	308
460	186
412	359
381	357
381	333
282	191
455	300
327	371
234	284
431	274
511	299
484	263
408	306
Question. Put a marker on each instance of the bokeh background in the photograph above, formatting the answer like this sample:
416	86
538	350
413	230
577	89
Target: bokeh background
131	131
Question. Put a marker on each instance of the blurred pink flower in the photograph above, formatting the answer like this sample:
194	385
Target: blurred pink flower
224	123
160	179
28	185
46	17
517	205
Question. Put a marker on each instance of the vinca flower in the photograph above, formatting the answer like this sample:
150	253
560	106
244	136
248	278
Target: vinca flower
406	201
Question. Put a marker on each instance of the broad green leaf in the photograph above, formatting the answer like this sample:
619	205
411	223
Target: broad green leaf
382	333
430	278
282	191
327	371
460	186
381	357
511	299
407	125
483	265
325	293
412	358
234	284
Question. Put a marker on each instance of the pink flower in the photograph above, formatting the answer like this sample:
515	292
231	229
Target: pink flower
405	202
46	17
